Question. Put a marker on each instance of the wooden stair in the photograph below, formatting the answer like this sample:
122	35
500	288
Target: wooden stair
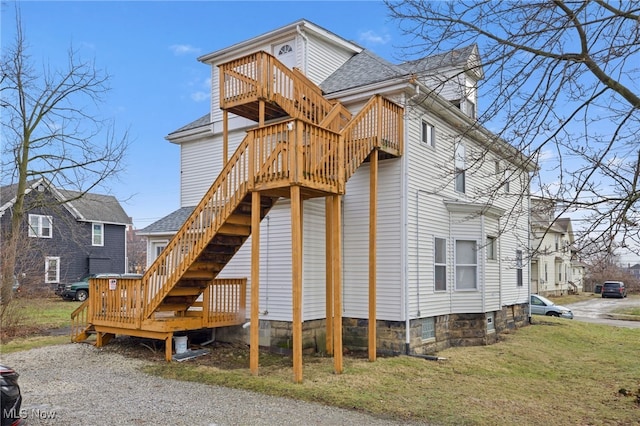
317	145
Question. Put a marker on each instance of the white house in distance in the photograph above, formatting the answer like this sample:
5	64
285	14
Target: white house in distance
555	268
452	228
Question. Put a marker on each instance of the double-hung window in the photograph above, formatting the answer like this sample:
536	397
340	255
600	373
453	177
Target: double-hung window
460	168
466	265
97	234
428	134
40	226
52	270
440	264
519	264
492	248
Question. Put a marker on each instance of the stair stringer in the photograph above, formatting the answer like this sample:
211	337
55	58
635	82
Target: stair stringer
217	205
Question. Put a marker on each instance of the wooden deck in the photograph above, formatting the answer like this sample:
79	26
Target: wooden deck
310	149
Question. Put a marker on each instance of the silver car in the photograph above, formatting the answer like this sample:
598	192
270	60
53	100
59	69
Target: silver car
542	306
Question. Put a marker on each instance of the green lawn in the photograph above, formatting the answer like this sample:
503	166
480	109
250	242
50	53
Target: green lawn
553	372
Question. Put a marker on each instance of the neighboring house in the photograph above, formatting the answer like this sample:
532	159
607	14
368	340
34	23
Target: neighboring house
555	267
634	271
67	235
453	213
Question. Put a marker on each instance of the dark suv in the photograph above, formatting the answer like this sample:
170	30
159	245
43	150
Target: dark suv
614	289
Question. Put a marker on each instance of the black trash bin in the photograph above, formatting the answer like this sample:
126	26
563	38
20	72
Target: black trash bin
598	289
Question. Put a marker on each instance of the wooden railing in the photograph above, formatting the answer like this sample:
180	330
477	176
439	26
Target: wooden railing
379	124
224	302
79	320
116	301
262	76
224	195
297	152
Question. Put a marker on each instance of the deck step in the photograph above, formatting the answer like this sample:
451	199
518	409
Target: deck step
198	275
185	291
177	307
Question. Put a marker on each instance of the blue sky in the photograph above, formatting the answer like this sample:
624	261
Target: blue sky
150	49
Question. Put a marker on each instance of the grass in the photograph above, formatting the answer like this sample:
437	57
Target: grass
28	316
554	372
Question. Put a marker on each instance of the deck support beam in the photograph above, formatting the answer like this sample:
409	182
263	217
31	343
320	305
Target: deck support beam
254	341
336	267
225	137
328	211
373	217
296	275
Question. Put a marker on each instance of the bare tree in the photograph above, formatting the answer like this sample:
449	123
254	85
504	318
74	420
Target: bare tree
563	79
51	128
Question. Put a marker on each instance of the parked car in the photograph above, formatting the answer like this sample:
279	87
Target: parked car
11	399
540	305
614	289
77	291
80	290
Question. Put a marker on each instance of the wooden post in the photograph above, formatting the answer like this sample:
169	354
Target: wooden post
225	137
337	283
254	339
373	213
296	280
261	113
168	347
329	275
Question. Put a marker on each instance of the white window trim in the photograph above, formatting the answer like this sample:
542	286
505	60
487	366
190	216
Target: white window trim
93	234
455	265
436	264
492	249
460	167
37	232
428	134
47	261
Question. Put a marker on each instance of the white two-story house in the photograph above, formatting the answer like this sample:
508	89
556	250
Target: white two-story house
452	223
555	268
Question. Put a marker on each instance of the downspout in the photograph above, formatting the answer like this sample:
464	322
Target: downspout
483	257
304	51
405	225
529	246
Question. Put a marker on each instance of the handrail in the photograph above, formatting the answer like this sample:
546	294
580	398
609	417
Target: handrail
377	125
79	320
224	195
262	75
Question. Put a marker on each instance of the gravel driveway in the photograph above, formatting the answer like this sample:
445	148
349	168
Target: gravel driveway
79	384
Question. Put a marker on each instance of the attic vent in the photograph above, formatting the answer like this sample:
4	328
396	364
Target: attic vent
285	49
40	188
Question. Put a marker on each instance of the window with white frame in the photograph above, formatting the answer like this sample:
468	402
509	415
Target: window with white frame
52	270
466	265
440	264
97	234
492	248
428	134
40	226
471	109
506	185
460	168
428	328
519	281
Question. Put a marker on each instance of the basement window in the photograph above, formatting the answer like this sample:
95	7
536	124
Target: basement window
429	328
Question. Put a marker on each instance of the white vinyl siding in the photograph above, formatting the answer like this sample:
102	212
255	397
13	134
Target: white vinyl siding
390	299
200	164
275	263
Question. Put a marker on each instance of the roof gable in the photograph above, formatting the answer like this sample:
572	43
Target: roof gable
87	207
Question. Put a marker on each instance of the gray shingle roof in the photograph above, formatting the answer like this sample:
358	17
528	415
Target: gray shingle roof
453	58
200	122
97	207
360	70
168	224
89	207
